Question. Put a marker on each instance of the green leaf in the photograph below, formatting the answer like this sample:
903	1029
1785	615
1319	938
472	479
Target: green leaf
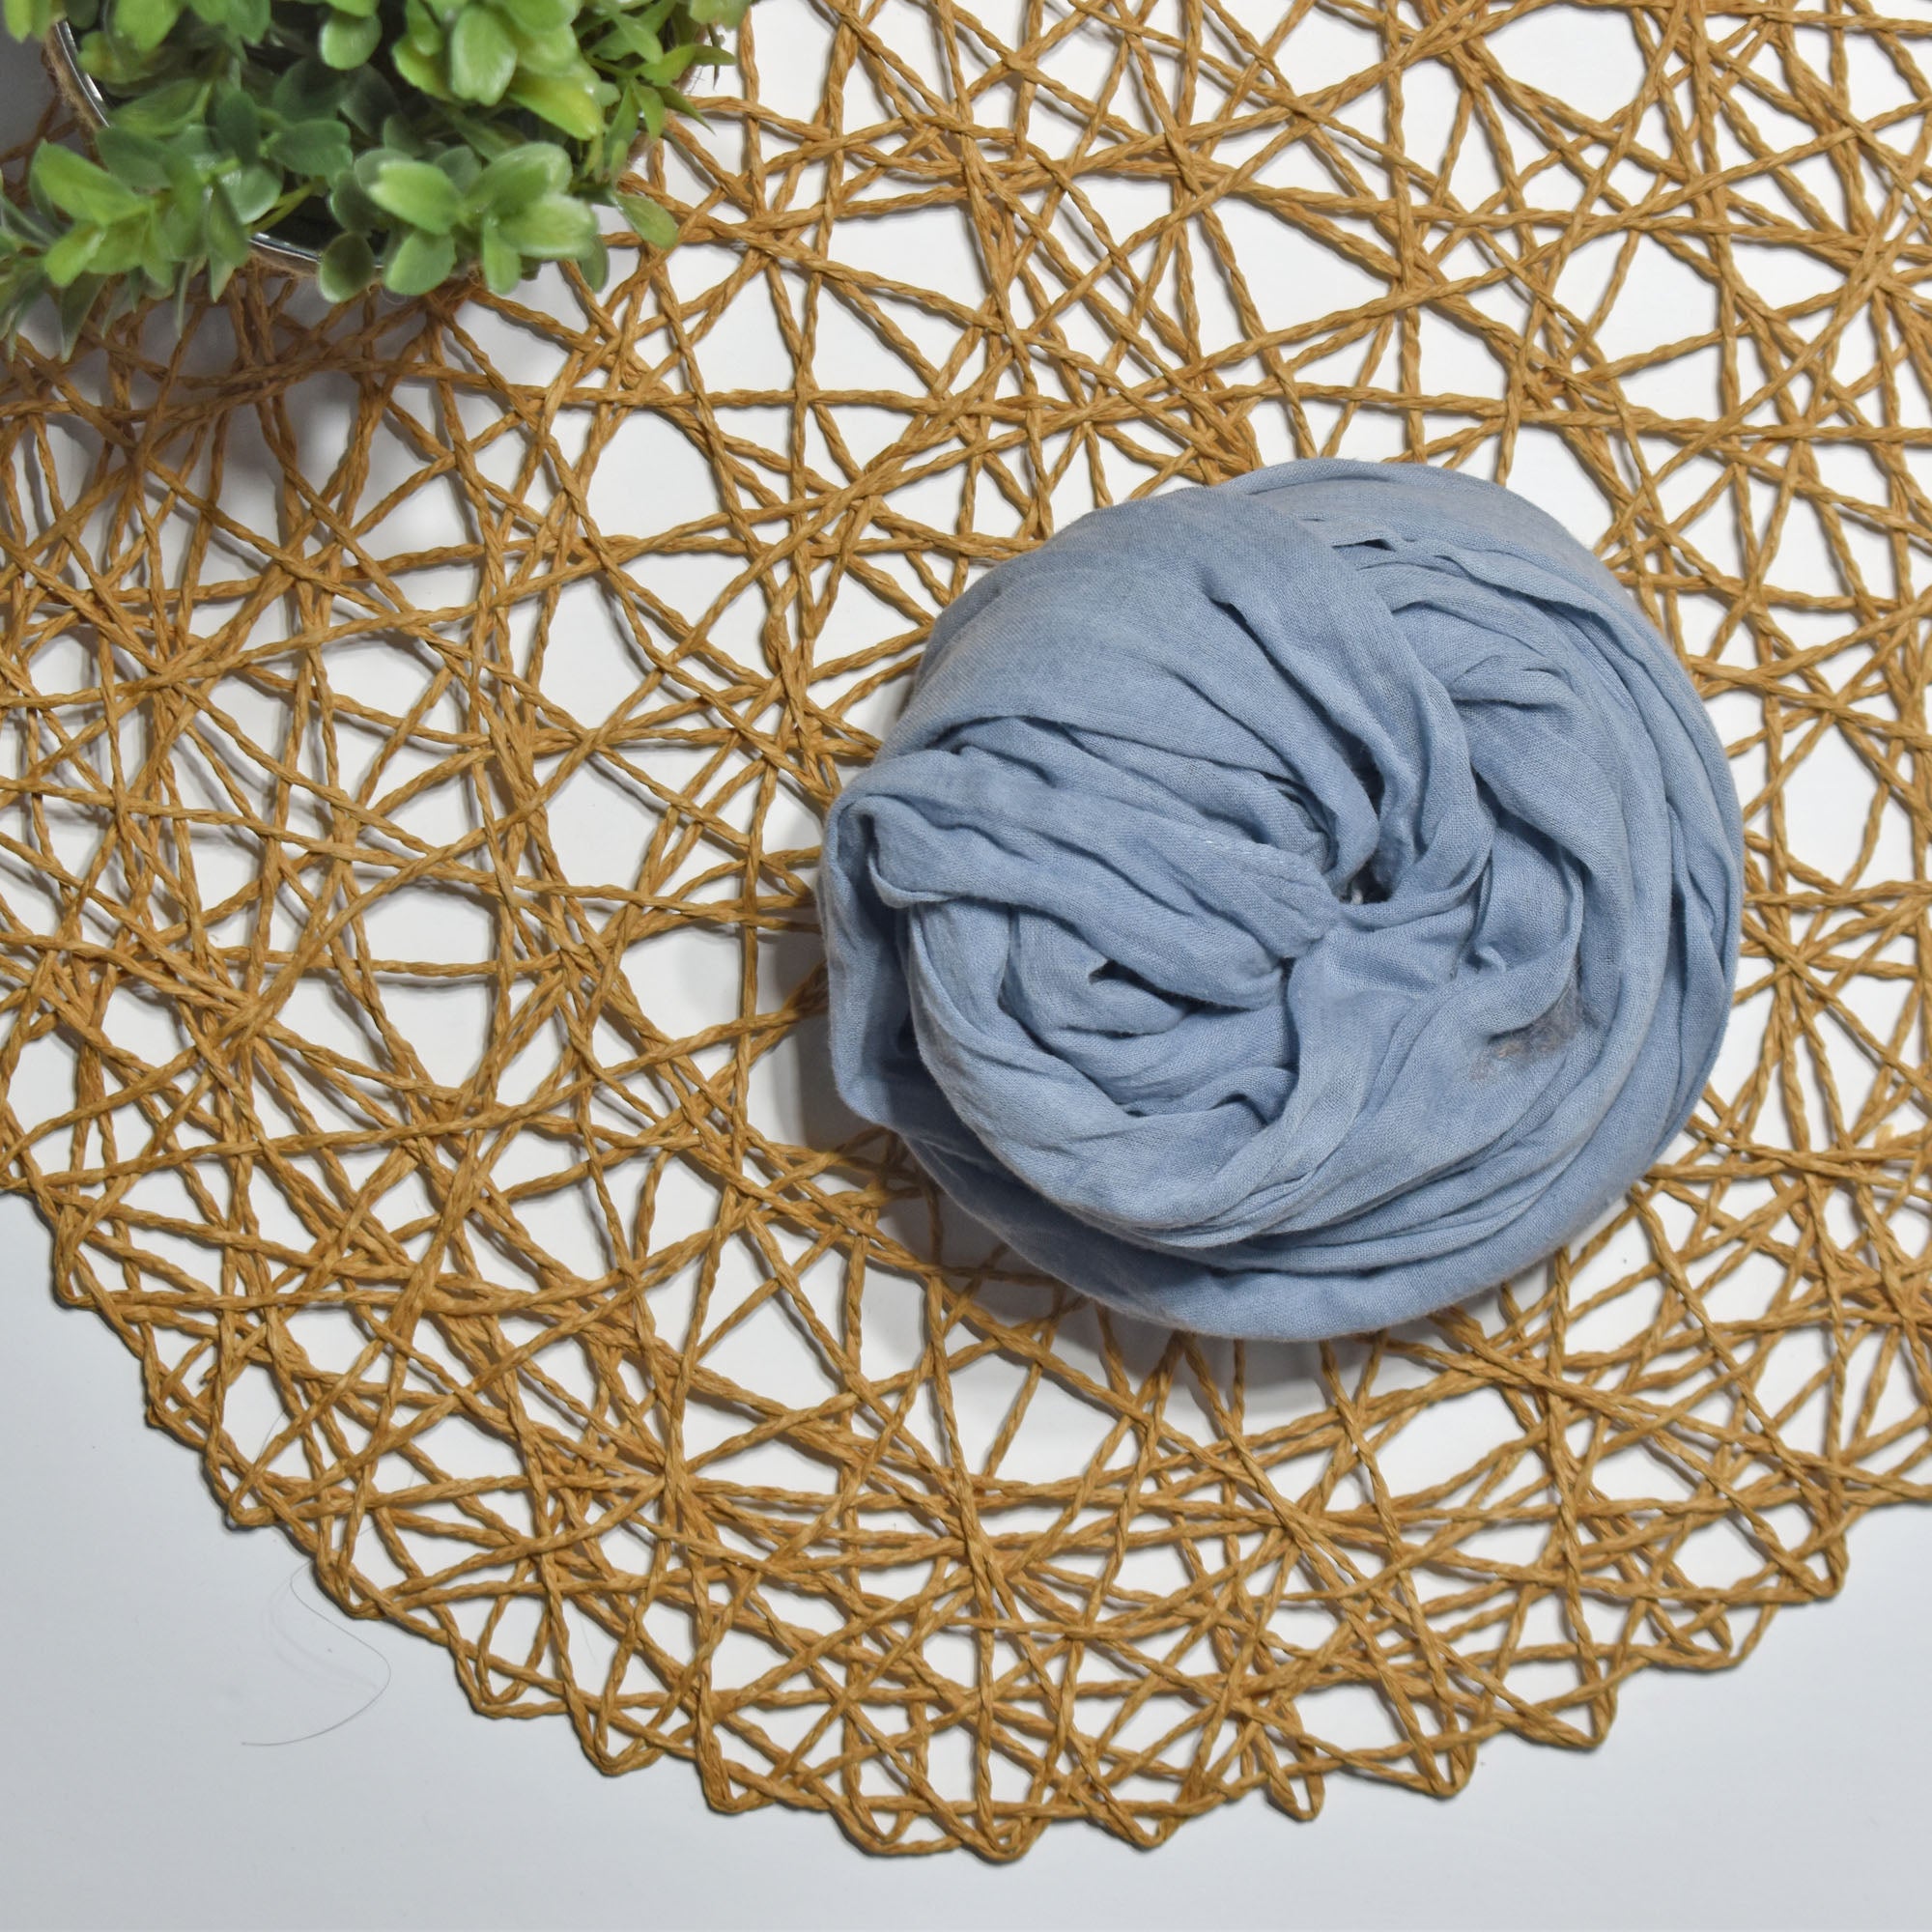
350	206
502	264
561	102
143	24
69	256
515	180
554	52
419	70
20	290
134	161
552	228
626	35
684	105
662	72
347	268
318	147
419	194
29	19
76	304
237	19
488	136
252	191
462	167
613	151
23	223
159	263
402	134
368	100
540	17
227	112
308	90
238	123
419	263
122	297
649	222
112	63
164	112
482	56
346	41
76	186
180	228
227	241
423	32
119	248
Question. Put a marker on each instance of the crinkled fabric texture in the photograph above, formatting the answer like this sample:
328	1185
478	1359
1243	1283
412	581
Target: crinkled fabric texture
1289	907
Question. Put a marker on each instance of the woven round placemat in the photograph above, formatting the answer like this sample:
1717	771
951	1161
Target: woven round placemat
415	730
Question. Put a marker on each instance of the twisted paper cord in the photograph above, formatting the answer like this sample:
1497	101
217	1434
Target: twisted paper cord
411	1016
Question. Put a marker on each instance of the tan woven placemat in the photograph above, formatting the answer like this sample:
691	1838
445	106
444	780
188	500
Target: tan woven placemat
412	1018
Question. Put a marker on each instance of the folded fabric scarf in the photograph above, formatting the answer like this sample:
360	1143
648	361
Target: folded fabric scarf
1289	907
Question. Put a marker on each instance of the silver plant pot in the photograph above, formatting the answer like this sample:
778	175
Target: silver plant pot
78	88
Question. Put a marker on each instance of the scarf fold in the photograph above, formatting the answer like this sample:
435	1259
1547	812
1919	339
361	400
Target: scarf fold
1289	907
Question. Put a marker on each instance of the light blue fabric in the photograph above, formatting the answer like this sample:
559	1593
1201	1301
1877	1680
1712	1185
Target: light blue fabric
1289	907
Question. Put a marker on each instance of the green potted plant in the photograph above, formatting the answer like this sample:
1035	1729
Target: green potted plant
404	143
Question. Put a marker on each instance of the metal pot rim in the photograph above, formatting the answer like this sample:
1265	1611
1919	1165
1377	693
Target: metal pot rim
88	100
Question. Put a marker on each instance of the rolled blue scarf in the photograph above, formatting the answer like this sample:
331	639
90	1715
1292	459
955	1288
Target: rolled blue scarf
1289	907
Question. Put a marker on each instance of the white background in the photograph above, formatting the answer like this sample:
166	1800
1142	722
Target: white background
144	1644
191	1737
